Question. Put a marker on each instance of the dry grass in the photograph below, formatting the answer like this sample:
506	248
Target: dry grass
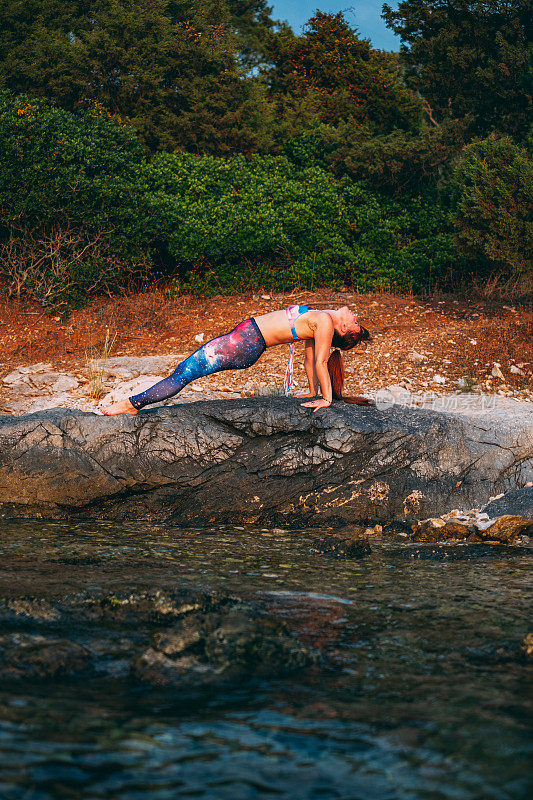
95	370
496	287
146	311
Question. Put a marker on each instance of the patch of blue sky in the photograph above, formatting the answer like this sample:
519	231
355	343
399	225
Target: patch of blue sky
365	15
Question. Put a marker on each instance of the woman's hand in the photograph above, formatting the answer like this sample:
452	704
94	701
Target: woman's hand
316	404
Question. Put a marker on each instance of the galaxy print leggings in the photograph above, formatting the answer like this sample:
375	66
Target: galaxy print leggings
235	350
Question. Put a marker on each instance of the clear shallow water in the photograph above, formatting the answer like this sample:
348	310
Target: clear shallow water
400	709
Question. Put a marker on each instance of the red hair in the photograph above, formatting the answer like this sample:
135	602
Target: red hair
336	373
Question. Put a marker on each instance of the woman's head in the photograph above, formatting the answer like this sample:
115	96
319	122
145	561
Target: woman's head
352	337
348	332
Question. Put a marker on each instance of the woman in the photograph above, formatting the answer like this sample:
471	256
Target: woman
247	342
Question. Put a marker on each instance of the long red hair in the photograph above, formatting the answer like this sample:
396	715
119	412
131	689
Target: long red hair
336	373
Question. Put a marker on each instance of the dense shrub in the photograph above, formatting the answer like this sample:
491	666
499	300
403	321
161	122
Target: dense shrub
492	196
171	68
404	245
398	164
70	201
234	224
81	209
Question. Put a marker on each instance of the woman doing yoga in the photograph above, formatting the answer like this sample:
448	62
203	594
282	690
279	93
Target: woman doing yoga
247	342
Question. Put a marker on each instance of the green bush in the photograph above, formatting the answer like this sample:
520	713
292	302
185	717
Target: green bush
240	224
82	208
492	197
70	202
234	224
401	246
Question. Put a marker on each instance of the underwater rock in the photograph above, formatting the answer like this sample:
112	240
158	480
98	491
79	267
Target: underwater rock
17	611
503	652
234	643
136	608
160	670
526	646
351	531
182	638
343	548
266	460
25	656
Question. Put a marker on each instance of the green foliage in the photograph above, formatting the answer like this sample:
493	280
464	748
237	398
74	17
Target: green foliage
251	23
469	59
235	224
266	223
169	67
397	163
346	107
70	200
82	209
329	75
492	192
402	246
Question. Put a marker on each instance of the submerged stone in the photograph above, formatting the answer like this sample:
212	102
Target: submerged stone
136	608
503	652
182	638
234	643
25	656
343	548
18	610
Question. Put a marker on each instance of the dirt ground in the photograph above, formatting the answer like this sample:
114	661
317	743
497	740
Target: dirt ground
422	344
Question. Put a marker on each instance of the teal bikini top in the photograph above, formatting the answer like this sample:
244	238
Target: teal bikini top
293	312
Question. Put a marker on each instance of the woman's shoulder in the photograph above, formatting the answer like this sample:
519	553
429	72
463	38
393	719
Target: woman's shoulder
317	318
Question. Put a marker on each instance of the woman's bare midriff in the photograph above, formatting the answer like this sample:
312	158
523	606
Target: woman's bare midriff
276	329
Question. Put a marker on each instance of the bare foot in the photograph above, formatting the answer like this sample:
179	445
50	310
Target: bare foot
122	407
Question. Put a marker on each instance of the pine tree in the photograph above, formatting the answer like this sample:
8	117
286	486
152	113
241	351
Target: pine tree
470	59
169	67
334	75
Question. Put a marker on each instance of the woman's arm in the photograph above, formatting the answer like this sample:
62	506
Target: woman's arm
322	344
310	369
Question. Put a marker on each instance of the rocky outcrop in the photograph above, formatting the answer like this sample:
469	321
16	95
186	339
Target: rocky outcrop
259	460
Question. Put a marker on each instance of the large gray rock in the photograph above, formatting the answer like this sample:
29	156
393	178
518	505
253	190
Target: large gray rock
131	366
258	460
517	501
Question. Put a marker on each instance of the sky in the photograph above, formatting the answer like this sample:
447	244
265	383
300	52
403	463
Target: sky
361	14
